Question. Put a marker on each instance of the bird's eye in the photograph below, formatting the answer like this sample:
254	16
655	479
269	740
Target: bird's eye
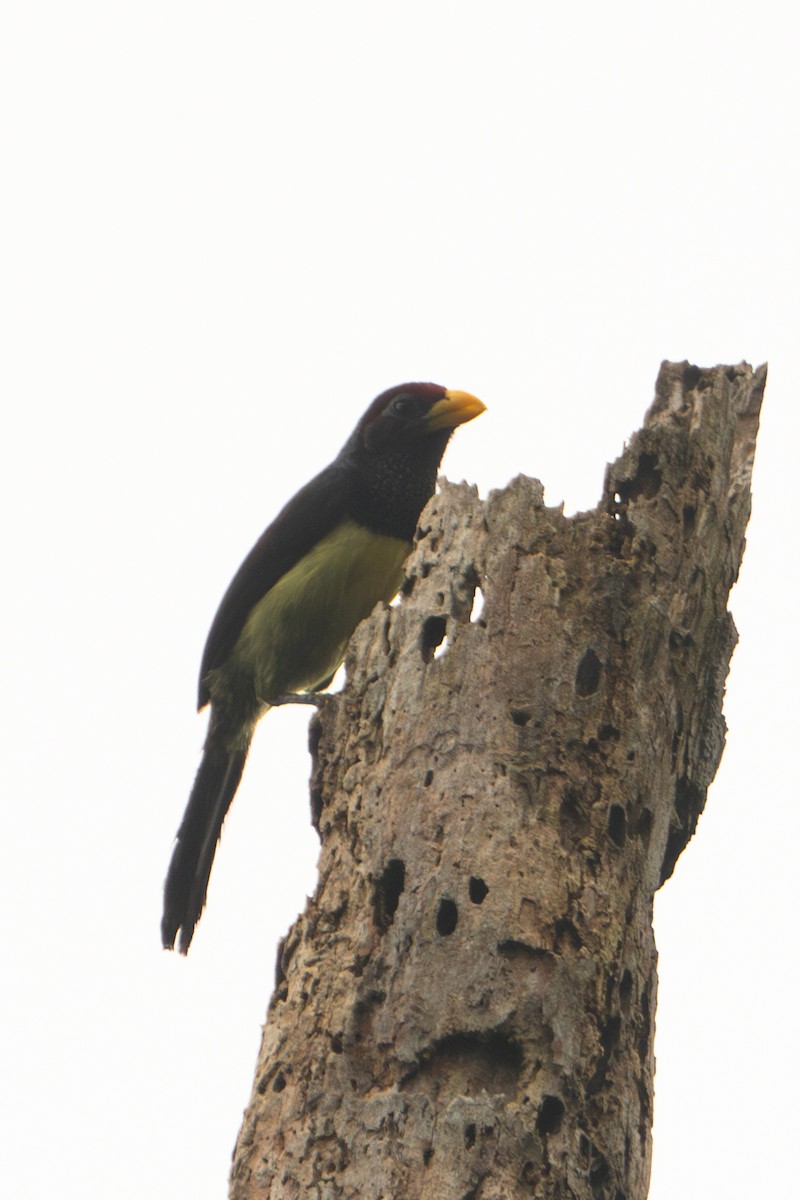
402	406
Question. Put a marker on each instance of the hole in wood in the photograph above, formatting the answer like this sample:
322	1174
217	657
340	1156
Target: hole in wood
387	893
587	677
691	376
478	601
550	1115
434	630
446	917
609	1038
625	990
644	826
646	482
567	936
478	889
689	800
617	825
599	1175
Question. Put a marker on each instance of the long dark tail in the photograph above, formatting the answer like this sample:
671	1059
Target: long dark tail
187	878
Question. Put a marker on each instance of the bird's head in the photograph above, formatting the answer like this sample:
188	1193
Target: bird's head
395	450
414	413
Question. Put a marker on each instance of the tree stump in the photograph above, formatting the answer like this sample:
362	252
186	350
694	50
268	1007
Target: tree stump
465	1009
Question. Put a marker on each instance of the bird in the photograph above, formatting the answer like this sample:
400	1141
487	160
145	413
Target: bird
280	633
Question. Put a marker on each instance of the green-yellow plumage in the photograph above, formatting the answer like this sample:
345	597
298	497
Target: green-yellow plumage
335	551
296	636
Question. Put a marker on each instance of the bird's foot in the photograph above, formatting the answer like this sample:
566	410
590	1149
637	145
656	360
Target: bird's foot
298	698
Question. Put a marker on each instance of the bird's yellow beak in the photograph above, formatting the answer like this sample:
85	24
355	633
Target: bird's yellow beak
455	408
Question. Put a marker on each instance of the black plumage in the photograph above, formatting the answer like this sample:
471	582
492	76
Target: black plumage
333	552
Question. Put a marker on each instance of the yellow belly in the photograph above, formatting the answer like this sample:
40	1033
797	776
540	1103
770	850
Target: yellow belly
296	636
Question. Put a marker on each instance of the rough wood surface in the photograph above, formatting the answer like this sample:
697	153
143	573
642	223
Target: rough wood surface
465	1009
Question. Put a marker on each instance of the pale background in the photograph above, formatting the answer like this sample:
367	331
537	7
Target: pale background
225	228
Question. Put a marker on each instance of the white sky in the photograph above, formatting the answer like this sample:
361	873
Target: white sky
224	229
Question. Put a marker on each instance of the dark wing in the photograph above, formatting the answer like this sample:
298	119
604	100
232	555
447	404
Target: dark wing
311	514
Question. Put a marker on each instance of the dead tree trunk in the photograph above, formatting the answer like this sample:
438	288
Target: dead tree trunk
465	1009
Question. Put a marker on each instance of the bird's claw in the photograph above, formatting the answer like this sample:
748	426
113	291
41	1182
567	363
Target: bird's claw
298	698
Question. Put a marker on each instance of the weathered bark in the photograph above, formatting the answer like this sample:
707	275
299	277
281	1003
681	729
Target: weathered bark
465	1009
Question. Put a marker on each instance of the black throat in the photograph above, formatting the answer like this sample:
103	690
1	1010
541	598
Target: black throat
390	490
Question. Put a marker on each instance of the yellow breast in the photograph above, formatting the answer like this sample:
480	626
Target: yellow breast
296	636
